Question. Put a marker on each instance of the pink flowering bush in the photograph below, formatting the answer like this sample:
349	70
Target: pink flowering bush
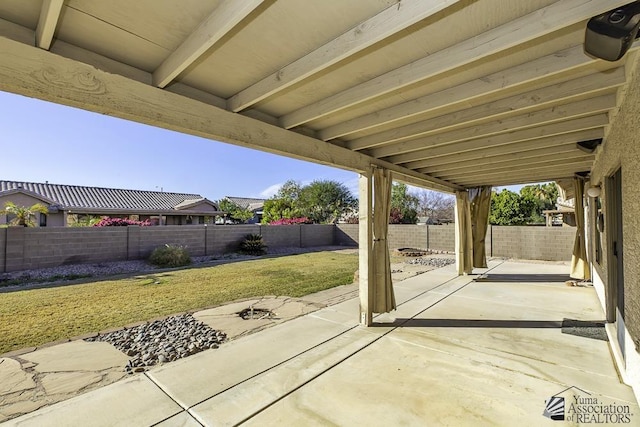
120	222
291	221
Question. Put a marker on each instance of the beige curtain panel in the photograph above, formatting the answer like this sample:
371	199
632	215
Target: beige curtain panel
384	299
480	199
579	265
464	238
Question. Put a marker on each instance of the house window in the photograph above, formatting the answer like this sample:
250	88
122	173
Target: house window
43	220
189	220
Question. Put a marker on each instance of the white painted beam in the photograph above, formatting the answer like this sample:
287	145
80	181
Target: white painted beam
522	75
219	23
388	22
539	118
486	153
514	180
47	22
519	167
40	74
567	126
535	173
537	155
536	24
561	93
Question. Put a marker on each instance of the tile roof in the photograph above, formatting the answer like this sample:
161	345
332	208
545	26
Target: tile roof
78	197
247	202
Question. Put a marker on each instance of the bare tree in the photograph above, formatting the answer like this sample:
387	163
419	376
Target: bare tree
435	205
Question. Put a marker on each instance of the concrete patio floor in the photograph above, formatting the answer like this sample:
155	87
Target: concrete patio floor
456	352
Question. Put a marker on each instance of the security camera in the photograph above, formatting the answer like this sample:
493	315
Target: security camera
610	35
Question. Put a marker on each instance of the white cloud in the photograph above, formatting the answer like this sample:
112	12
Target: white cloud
271	190
353	185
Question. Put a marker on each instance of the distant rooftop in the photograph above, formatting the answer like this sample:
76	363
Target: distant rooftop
79	197
247	202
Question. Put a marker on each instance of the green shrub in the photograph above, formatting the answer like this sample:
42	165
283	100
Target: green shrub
253	245
170	256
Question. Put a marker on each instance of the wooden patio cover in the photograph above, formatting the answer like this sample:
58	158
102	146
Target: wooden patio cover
445	94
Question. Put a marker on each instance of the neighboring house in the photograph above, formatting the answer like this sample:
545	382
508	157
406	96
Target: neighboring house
254	205
70	203
564	213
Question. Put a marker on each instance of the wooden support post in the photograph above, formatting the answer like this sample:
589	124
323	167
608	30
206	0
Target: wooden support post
463	238
366	246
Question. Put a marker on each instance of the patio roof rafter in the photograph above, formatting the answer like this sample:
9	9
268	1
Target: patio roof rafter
599	120
592	85
390	21
540	174
521	75
518	31
223	19
47	22
515	148
536	155
524	147
489	170
588	107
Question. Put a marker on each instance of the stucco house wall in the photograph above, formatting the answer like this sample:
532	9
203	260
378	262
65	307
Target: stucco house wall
622	150
55	219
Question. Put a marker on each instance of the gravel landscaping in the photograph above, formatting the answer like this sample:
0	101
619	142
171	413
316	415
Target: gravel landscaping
162	341
432	261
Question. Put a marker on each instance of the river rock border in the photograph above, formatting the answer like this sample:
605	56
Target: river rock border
162	341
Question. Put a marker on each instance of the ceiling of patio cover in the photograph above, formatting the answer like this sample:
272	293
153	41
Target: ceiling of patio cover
447	94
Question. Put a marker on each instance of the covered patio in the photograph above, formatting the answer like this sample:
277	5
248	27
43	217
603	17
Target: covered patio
453	95
458	351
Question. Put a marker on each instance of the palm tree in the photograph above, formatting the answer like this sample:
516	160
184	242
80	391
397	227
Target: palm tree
23	216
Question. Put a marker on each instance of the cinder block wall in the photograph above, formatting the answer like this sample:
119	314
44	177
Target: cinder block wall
408	236
346	234
438	237
281	236
227	238
193	237
442	237
28	248
25	248
50	247
316	235
543	243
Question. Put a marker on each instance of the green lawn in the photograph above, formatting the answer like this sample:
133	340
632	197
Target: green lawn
34	317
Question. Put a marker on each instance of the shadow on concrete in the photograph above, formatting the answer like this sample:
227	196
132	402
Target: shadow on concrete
584	328
520	278
473	323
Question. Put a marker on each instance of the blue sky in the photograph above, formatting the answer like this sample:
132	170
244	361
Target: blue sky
41	142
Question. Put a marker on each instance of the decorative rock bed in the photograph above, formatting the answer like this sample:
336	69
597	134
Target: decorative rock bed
162	341
412	252
433	262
